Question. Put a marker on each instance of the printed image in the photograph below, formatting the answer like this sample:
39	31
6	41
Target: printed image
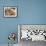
10	11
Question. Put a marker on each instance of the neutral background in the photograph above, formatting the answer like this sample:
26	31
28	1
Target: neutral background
29	12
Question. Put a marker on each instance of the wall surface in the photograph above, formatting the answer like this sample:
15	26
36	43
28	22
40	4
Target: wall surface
29	12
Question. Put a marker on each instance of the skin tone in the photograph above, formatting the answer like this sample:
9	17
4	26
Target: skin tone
10	11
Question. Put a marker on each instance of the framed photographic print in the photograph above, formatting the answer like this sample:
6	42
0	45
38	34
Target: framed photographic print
10	11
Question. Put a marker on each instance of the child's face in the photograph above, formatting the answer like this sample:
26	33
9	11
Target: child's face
10	11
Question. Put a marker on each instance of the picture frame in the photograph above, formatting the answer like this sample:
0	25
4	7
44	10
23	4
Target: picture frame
10	11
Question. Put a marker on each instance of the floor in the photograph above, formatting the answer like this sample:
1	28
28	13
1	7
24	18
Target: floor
7	45
30	43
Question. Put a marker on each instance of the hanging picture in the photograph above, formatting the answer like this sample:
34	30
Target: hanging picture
10	11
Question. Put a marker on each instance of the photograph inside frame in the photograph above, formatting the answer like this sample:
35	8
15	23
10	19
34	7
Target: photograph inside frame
10	11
